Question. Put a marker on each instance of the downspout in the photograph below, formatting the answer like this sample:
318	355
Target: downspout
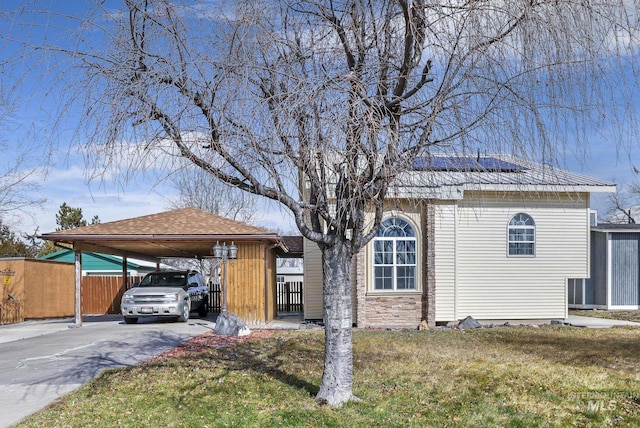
267	249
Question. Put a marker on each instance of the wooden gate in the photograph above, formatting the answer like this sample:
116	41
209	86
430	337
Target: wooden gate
101	295
289	296
215	298
10	310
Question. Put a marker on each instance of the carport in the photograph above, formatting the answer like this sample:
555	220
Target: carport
188	233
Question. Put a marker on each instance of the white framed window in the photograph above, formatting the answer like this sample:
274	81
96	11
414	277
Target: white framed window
394	256
521	236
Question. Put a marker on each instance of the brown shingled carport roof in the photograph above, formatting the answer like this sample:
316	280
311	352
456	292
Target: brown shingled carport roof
187	232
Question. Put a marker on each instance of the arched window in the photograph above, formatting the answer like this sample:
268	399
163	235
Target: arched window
394	256
522	235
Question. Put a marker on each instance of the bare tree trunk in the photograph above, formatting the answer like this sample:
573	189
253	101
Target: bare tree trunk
337	378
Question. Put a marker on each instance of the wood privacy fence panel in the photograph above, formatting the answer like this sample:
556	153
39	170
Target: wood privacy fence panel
101	295
44	289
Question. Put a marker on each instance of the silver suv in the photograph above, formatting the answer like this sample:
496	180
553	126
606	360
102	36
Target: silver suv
166	294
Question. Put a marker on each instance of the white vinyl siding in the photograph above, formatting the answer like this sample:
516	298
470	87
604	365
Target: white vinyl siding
312	281
445	260
491	285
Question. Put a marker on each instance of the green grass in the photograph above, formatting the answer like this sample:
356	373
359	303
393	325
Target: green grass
508	377
613	315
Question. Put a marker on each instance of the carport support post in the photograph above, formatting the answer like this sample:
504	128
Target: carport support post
78	279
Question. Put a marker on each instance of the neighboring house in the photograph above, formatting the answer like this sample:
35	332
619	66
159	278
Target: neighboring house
494	237
614	282
290	270
290	276
289	267
96	264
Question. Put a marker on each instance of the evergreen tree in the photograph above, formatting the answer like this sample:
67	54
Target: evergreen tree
69	217
12	246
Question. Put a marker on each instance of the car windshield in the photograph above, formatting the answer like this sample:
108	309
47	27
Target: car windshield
168	279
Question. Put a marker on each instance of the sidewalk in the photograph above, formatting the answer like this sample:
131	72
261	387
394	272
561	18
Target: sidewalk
33	328
284	321
593	322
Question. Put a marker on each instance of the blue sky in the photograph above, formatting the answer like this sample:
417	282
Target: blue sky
31	125
32	129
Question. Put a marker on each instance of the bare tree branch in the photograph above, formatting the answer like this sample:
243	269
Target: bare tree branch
323	106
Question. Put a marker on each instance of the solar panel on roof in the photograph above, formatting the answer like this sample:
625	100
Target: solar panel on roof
467	164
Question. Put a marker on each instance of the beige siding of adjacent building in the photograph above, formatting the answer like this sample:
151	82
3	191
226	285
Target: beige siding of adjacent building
312	281
489	284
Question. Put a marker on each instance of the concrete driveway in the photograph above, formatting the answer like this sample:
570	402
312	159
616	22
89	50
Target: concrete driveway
41	361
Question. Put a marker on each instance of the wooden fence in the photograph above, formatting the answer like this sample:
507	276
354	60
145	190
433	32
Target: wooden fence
102	294
215	298
289	296
10	311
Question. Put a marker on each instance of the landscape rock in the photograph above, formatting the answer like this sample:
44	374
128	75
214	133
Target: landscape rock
469	323
228	324
423	325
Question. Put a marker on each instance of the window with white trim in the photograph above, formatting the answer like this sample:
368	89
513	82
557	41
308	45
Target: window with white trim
394	256
522	235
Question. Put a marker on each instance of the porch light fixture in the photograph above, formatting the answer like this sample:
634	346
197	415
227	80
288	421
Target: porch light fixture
224	253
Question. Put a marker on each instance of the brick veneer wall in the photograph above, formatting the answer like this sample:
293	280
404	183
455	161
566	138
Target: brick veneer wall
393	311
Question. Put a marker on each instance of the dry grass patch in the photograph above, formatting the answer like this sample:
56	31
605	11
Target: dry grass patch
553	376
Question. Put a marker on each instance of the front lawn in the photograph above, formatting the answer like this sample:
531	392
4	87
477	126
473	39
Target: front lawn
517	376
612	315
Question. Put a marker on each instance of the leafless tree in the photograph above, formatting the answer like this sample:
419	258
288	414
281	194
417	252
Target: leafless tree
624	205
18	175
322	105
196	189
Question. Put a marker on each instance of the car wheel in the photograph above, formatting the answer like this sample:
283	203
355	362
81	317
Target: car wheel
130	320
203	310
185	313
